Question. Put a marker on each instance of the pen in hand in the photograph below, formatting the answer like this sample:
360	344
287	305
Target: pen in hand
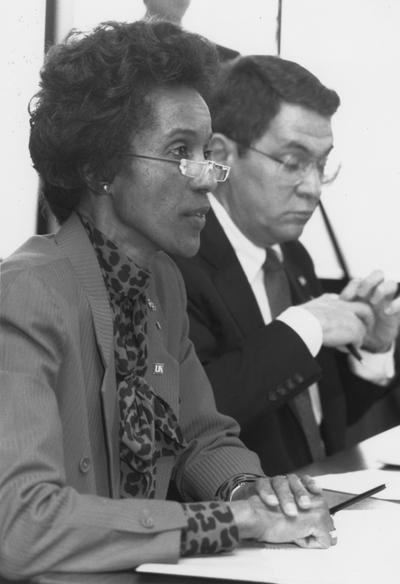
355	499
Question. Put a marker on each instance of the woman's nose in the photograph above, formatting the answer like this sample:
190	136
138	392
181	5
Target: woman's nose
206	179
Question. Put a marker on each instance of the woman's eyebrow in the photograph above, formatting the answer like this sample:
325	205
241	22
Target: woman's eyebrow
185	131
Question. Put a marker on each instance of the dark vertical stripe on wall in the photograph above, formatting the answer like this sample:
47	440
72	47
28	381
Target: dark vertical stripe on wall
42	224
335	243
50	24
279	28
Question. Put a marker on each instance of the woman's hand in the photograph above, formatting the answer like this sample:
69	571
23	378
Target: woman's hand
284	509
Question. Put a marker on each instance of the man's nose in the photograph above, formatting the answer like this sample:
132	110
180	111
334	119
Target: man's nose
311	183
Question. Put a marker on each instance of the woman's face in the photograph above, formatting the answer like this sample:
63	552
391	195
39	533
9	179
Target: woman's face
153	205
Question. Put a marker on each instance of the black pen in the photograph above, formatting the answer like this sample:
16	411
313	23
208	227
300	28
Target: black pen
355	499
353	351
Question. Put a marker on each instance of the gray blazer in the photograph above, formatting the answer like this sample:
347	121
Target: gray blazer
59	463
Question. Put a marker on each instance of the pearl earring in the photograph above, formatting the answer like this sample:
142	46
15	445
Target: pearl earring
106	188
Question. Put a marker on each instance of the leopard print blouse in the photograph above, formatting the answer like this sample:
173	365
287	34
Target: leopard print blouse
149	428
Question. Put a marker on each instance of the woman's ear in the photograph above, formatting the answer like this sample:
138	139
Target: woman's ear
94	184
223	149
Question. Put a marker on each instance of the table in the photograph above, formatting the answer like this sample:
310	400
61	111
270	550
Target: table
362	456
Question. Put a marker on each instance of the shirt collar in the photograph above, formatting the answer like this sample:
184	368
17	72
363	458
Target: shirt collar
250	256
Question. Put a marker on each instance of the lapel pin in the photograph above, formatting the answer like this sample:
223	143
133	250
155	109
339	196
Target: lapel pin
151	304
302	280
158	369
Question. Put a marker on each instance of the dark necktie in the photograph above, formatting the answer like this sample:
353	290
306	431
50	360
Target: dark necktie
279	298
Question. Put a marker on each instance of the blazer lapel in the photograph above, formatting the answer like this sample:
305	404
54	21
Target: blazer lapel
299	284
74	243
229	278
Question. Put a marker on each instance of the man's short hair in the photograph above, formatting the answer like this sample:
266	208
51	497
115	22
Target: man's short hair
92	100
250	90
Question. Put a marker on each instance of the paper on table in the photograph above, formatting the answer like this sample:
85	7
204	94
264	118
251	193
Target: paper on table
367	552
385	448
361	480
390	454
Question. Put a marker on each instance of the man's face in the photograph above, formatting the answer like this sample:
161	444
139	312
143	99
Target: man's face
153	205
264	204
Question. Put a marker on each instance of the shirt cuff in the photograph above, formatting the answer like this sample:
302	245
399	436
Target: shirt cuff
211	528
306	325
378	368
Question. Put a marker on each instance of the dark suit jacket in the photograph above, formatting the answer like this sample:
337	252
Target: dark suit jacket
255	370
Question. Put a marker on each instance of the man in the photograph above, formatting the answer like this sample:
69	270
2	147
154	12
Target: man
102	396
263	356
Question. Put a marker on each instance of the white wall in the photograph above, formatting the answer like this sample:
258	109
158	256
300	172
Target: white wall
354	47
21	55
247	26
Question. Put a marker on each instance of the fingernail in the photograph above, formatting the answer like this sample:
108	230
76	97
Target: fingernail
272	500
305	501
290	509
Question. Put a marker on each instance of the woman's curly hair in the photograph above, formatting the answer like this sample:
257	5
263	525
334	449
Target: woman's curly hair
92	100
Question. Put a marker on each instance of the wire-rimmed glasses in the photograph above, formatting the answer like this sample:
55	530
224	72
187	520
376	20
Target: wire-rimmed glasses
194	168
294	167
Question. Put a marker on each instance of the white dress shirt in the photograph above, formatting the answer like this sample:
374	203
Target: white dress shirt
375	367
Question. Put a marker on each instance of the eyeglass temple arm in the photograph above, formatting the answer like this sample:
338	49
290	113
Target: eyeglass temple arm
155	158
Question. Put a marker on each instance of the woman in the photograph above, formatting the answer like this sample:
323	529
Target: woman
103	398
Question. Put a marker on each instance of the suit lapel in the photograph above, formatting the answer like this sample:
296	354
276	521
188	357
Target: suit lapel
74	243
300	286
229	278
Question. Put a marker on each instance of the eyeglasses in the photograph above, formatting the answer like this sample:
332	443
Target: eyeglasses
194	168
294	168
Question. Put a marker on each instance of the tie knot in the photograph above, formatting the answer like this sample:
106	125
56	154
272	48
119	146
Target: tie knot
272	263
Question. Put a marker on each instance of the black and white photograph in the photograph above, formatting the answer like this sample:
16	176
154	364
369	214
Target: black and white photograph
199	292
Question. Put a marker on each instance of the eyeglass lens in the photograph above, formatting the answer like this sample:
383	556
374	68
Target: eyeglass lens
196	169
327	168
296	169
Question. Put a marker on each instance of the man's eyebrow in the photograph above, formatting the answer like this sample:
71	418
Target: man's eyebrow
303	148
